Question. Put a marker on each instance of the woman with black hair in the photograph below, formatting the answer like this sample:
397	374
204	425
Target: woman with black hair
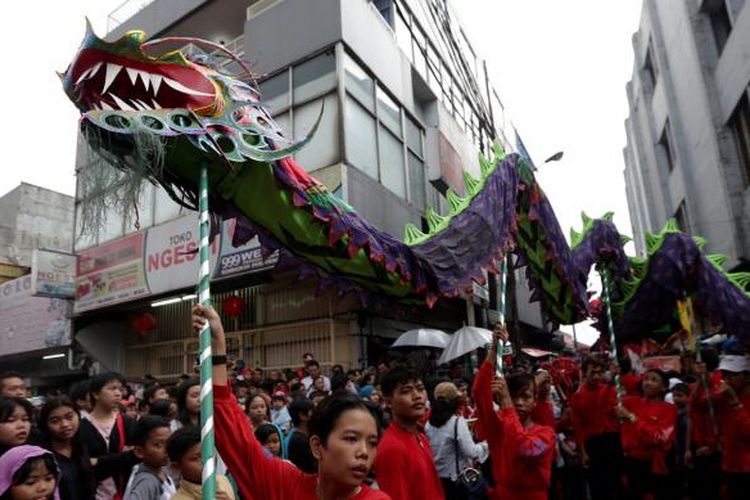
59	423
450	439
189	402
104	433
344	433
648	434
15	422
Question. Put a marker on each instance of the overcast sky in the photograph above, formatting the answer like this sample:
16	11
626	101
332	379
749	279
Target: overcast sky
559	67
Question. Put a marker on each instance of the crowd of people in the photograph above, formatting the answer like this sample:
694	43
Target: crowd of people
389	432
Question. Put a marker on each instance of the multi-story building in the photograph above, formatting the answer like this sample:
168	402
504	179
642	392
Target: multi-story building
35	331
408	108
688	131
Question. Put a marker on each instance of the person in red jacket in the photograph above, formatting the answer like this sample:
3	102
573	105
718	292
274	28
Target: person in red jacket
405	467
596	430
344	433
521	450
647	434
733	414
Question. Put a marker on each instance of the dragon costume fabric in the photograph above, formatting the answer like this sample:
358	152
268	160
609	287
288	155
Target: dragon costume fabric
163	117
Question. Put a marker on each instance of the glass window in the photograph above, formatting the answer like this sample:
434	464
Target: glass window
323	148
359	83
413	136
389	113
315	77
416	181
361	145
392	162
420	62
274	92
403	36
164	207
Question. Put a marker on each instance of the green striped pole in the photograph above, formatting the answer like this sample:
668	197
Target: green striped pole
606	292
501	305
208	449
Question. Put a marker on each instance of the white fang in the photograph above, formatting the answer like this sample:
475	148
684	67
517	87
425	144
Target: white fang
156	83
133	74
122	104
106	106
112	71
185	90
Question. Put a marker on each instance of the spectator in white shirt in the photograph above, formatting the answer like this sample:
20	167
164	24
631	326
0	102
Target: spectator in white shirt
452	443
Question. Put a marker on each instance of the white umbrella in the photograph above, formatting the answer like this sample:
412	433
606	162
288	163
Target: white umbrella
464	341
422	337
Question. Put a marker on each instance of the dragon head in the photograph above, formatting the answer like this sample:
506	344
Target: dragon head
159	117
121	76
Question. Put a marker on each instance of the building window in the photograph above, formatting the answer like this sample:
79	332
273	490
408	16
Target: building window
392	174
681	216
649	67
361	139
358	83
740	124
721	22
323	148
314	77
275	92
666	147
386	9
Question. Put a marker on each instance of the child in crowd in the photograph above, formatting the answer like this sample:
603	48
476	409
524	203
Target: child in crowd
28	472
279	412
149	480
184	450
270	437
404	453
15	422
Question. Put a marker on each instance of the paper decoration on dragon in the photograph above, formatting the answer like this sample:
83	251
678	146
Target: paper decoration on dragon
161	117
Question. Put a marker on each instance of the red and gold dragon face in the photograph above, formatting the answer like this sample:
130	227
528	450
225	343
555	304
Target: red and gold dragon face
182	102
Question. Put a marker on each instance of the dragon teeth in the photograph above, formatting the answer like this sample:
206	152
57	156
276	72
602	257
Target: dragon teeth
156	104
133	74
106	106
156	83
185	90
112	71
122	104
145	78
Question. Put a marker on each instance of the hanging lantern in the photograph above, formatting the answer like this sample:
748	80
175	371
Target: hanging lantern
144	323
233	306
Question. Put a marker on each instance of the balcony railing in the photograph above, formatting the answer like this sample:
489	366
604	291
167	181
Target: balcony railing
125	11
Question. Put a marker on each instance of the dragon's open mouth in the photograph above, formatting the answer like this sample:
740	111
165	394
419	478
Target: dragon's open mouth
103	80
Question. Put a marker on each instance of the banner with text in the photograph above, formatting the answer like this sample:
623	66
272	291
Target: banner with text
53	274
156	261
31	323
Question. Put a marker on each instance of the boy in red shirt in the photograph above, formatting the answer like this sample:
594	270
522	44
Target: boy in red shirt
733	414
404	466
521	450
596	430
647	433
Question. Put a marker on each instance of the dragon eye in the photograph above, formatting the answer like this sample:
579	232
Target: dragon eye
118	121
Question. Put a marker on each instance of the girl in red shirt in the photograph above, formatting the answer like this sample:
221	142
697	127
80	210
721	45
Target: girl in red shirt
647	435
344	434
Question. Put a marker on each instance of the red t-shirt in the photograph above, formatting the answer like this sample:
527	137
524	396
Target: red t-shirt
544	414
652	434
703	433
631	384
593	411
521	456
405	467
259	476
734	427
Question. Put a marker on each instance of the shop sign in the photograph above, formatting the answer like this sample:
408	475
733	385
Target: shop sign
53	274
159	260
31	323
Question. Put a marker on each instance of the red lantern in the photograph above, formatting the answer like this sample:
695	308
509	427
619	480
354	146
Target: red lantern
233	306
144	323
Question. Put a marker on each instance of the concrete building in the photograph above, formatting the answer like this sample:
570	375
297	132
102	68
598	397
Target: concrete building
35	329
688	130
407	110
